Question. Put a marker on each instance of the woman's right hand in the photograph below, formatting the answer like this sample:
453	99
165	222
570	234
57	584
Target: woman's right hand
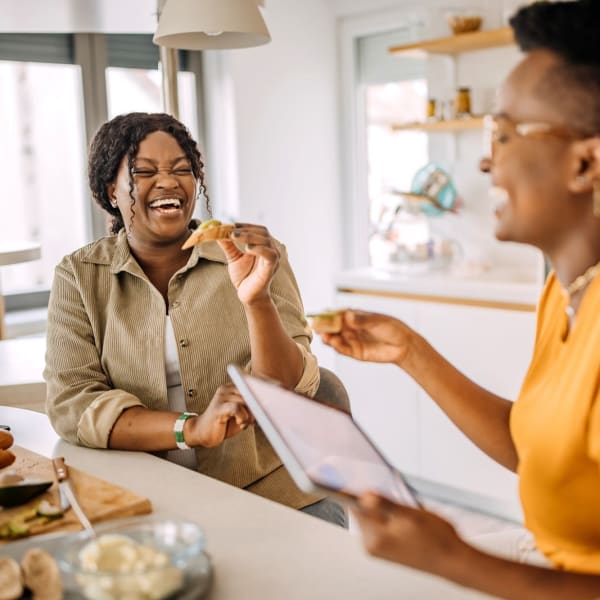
226	416
371	337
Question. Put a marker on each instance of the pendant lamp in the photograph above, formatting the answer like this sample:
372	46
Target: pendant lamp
211	24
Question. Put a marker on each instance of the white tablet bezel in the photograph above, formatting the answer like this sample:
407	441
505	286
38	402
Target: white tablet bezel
293	465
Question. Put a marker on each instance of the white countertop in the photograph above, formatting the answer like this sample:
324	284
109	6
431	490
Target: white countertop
22	360
260	549
13	253
495	285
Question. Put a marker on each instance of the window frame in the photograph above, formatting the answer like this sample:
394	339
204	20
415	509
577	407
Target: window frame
353	124
93	53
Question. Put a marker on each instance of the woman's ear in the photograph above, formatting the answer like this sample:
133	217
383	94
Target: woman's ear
584	168
110	190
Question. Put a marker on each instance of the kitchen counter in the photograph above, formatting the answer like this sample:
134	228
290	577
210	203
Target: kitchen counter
496	287
260	549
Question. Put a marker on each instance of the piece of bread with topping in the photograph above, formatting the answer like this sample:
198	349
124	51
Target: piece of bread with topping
207	231
330	321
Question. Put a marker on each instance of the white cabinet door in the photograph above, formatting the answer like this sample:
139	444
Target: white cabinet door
383	398
493	347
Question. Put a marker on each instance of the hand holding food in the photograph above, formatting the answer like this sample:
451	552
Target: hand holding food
207	231
251	270
329	321
371	337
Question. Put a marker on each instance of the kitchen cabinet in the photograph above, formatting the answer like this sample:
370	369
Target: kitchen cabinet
383	398
492	345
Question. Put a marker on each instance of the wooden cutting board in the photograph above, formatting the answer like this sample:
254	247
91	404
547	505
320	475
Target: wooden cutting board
99	499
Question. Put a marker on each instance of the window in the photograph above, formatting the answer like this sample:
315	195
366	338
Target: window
392	91
48	113
133	81
42	158
42	154
140	90
393	157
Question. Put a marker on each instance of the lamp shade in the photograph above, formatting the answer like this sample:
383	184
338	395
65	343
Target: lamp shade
211	25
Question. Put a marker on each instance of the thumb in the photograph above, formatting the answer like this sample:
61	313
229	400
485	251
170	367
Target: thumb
372	501
359	319
231	251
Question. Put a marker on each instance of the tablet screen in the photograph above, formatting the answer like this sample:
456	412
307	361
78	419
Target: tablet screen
326	443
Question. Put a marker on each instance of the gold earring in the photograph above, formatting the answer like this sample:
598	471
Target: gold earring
596	199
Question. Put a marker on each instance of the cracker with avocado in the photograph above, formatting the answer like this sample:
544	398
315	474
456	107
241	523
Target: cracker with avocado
207	231
330	321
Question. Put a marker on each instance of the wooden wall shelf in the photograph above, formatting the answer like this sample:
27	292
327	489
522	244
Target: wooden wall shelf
455	44
441	126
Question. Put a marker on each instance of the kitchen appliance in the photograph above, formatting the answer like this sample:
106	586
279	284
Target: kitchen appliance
406	238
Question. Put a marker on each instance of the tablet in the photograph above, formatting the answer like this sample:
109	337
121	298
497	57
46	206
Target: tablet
321	446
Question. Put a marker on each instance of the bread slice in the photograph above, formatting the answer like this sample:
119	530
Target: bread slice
207	231
330	321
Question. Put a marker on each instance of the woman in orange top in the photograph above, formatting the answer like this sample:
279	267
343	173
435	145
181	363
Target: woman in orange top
546	161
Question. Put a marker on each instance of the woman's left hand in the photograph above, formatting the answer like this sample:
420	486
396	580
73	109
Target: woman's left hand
251	271
409	536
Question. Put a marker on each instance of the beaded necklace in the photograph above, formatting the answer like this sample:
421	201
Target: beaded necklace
576	285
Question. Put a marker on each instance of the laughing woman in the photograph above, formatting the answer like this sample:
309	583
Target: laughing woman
140	332
546	161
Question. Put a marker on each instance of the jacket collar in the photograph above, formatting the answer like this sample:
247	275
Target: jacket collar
115	251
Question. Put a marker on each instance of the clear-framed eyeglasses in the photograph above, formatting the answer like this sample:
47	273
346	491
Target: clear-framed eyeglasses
500	129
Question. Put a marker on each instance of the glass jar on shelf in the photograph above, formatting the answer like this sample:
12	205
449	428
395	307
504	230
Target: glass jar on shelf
463	102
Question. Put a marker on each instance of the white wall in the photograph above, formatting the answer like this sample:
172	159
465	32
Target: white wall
272	129
77	16
276	131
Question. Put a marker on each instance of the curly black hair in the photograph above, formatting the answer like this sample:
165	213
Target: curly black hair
121	137
569	29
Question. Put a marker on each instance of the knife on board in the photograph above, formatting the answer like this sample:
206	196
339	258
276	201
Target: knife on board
67	495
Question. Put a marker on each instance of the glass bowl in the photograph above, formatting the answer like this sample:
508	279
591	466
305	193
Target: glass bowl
139	558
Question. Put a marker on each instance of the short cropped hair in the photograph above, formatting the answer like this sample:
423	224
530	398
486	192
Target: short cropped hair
569	29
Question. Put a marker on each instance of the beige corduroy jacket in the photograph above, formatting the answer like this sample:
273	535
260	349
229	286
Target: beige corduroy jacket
106	352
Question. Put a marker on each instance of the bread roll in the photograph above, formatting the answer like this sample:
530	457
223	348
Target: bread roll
11	582
6	440
41	575
7	458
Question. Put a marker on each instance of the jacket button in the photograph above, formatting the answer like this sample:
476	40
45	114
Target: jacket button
175	304
191	392
183	343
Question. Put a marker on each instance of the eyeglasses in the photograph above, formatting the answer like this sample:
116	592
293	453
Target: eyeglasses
500	129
